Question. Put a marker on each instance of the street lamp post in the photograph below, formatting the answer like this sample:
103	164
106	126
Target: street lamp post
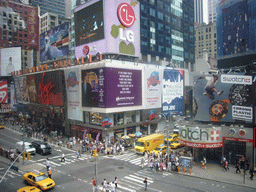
167	134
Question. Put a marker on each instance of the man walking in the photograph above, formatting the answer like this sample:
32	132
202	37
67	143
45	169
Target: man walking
62	158
50	173
146	183
47	164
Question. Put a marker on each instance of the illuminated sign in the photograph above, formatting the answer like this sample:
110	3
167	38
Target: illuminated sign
126	14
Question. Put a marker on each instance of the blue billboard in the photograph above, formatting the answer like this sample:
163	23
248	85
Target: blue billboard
55	42
173	88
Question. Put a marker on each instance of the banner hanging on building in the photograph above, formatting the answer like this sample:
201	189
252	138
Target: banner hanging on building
3	92
72	78
173	88
152	86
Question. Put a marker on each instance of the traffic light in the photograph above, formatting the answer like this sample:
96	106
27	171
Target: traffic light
94	153
28	156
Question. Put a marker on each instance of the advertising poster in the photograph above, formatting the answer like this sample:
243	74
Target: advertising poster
32	91
153	86
114	30
55	42
3	92
10	60
49	88
173	88
121	88
72	77
111	87
223	98
21	89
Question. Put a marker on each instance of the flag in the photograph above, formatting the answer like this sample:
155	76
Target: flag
98	136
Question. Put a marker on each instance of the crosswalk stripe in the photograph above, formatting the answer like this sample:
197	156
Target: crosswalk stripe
55	164
137	174
14	173
137	184
142	179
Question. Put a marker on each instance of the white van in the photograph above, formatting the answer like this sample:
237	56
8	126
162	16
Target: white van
28	147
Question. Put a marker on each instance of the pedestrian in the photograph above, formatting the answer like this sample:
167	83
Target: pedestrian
157	166
62	158
47	164
104	183
78	154
146	183
169	166
203	163
151	165
251	173
113	188
116	181
238	167
93	184
49	173
226	165
142	162
12	156
223	159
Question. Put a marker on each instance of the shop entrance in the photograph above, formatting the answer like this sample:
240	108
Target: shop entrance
212	155
234	149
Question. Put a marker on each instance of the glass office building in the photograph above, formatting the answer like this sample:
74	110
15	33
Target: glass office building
167	30
53	6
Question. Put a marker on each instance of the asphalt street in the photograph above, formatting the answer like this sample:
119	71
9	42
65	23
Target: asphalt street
75	174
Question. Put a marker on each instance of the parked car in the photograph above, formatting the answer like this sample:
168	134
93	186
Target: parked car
28	147
42	147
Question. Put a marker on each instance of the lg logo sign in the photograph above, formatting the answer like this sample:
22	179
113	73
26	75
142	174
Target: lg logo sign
126	14
127	17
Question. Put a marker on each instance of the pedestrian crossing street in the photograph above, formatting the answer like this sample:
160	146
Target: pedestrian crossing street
134	182
130	157
56	160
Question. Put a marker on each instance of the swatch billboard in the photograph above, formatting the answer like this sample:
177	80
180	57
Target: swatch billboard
223	98
108	26
111	87
55	42
173	90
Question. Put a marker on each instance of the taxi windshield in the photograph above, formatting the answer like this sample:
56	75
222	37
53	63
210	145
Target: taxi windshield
28	146
159	149
139	144
41	177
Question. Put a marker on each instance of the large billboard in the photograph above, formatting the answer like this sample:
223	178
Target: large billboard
223	98
111	87
55	42
72	80
10	60
153	79
107	27
173	90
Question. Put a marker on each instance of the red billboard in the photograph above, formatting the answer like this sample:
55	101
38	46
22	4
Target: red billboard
46	88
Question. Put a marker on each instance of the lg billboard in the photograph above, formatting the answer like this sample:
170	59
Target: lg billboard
108	26
223	98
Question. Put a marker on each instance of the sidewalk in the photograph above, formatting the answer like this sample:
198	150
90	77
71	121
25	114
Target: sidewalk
216	173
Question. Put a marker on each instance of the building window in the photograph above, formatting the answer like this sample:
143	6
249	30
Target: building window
206	30
152	2
144	33
214	35
160	26
210	36
144	21
118	119
206	36
160	15
152	12
167	19
20	40
215	42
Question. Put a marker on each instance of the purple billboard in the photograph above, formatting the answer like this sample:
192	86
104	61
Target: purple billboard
109	27
111	87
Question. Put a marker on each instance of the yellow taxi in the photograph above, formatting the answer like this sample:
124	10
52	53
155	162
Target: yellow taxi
38	179
161	148
173	137
1	126
29	189
175	144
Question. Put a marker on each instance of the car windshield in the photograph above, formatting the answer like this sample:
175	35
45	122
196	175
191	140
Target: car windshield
44	146
159	149
29	146
139	144
41	177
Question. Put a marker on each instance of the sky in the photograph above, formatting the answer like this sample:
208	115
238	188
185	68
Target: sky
205	7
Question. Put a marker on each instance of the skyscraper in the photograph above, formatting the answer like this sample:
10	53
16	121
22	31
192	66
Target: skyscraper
53	6
198	9
236	33
212	10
